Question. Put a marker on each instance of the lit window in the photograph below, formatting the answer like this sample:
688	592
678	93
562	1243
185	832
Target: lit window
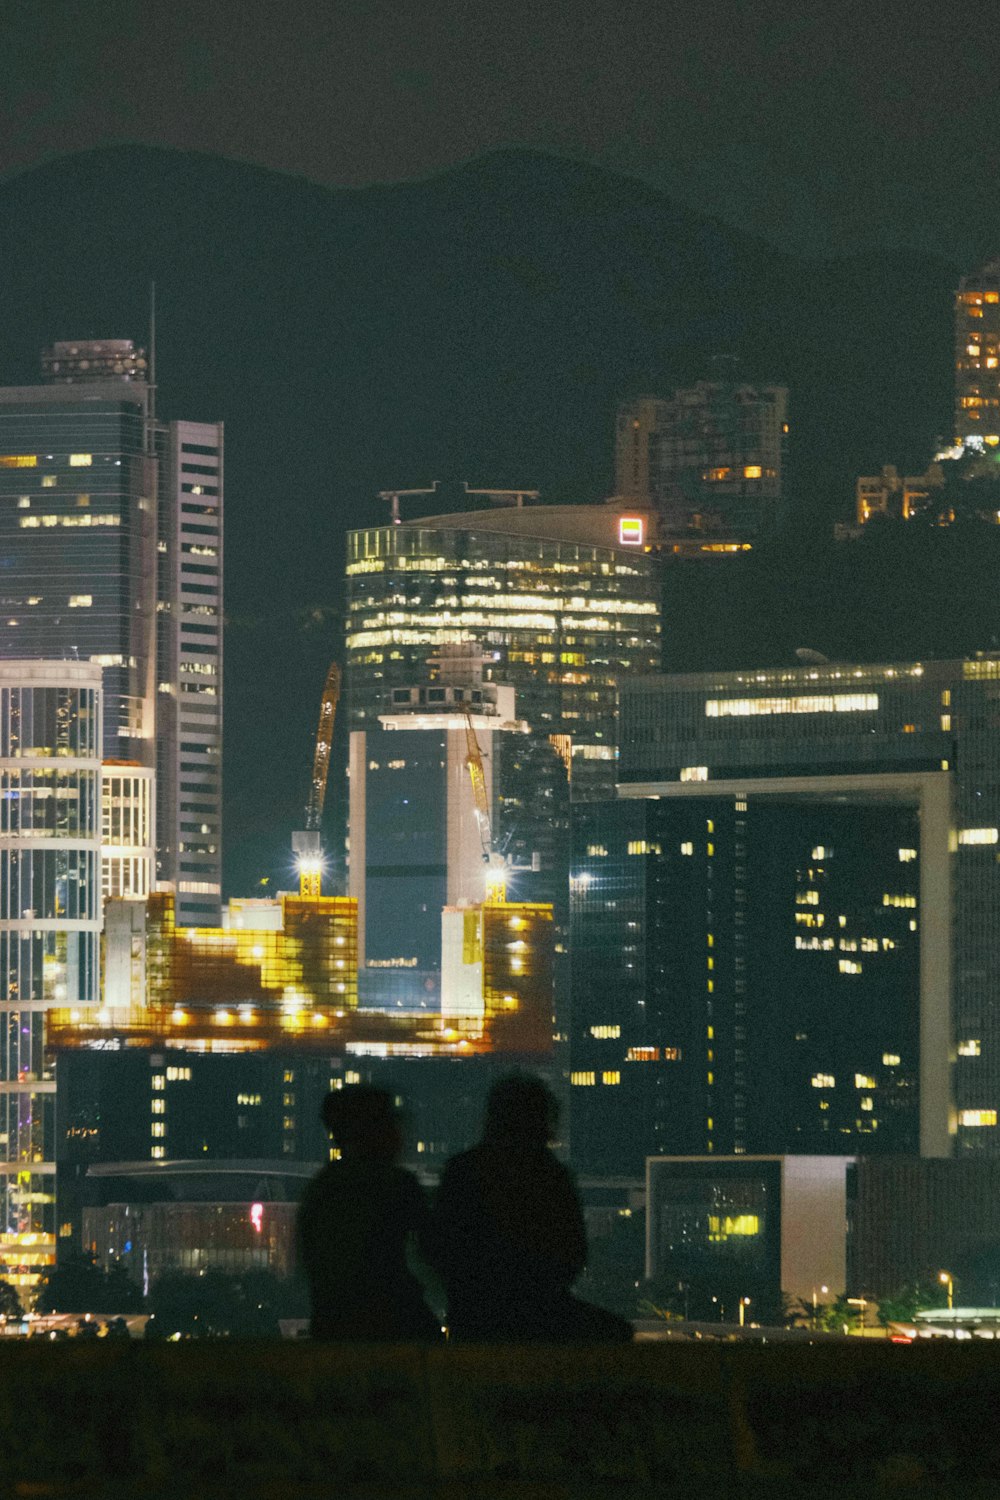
642	1054
978	835
157	1152
80	460
611	1077
158	1081
823	1081
821	852
583	1080
158	1106
907	855
48	481
970	1048
863	1081
973	349
839	703
721	1227
867	1104
687	848
597	851
977	1117
890	1059
18	461
604	1033
946	721
752	471
178	1075
694	773
899	901
81	601
848	966
157	1128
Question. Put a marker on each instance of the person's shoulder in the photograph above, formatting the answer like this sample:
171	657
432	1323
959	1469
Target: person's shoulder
406	1183
465	1164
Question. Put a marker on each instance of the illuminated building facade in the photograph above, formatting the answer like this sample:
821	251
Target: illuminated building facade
127	830
748	1227
564	601
189	670
112	526
977	356
920	734
417	837
50	923
273	965
78	527
739	984
192	1217
900	497
709	458
497	966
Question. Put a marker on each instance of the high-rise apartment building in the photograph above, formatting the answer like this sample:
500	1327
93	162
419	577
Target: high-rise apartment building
709	459
111	524
739	983
918	734
50	925
977	356
189	674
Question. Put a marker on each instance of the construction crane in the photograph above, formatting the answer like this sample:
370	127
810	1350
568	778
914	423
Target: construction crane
393	498
505	497
306	842
496	880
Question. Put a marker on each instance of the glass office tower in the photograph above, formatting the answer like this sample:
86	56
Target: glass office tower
111	533
563	600
919	734
50	923
78	538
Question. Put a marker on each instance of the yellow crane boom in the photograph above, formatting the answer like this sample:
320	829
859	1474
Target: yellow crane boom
306	842
496	883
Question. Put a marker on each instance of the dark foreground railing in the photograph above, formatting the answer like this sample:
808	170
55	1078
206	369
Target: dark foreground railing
289	1419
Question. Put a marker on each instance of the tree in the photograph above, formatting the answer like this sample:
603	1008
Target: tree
10	1302
216	1305
905	1303
79	1285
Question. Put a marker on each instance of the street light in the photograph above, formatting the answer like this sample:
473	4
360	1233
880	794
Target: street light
949	1281
744	1304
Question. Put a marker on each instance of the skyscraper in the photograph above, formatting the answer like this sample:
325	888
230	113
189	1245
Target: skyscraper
563	600
50	924
977	356
739	983
189	676
923	734
110	527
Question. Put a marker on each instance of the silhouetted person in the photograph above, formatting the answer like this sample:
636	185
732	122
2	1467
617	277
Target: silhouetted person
355	1221
507	1234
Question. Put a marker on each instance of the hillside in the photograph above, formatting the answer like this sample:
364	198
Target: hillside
480	325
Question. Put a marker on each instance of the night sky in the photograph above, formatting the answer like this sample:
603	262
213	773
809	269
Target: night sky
399	350
819	126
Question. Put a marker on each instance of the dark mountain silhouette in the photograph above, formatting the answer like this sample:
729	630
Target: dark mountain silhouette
480	325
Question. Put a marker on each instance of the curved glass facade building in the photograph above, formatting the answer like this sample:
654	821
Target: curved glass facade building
50	923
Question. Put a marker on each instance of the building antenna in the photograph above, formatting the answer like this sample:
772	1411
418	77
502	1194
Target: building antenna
152	353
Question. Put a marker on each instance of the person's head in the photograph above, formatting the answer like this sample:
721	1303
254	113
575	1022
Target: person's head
363	1121
521	1113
